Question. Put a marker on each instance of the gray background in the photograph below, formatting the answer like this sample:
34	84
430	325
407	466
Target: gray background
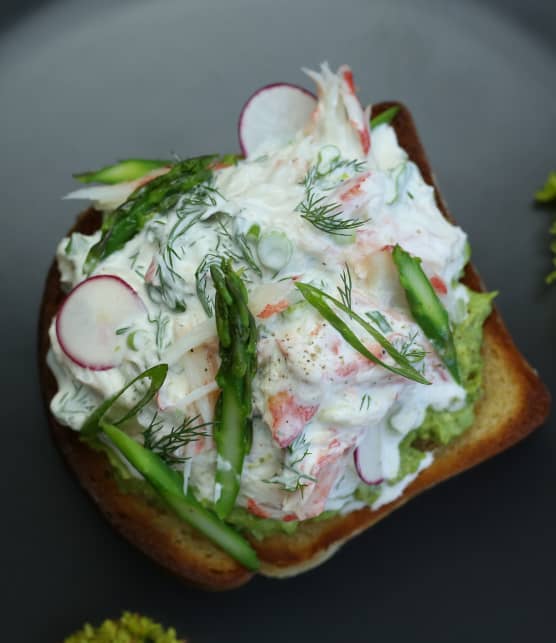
84	83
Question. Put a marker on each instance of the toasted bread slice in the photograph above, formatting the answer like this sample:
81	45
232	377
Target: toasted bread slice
514	403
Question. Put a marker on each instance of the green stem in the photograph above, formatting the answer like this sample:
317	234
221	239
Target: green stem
317	299
128	170
155	197
387	116
426	308
168	483
156	375
237	334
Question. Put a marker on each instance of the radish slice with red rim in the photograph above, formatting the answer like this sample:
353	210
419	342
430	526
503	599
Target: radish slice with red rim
93	320
275	111
367	459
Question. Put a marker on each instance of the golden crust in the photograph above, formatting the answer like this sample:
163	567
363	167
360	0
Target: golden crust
515	402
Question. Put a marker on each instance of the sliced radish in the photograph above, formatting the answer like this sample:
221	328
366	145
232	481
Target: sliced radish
275	111
367	459
92	321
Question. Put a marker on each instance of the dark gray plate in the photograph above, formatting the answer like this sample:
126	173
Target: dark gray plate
84	83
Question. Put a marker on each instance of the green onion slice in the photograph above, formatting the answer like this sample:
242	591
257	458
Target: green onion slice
317	298
128	170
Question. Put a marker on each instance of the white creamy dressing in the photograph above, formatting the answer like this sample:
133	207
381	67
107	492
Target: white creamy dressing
315	397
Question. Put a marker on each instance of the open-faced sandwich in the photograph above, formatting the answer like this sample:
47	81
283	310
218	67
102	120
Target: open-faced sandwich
248	360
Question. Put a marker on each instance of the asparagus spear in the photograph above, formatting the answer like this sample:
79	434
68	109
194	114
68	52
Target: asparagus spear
167	482
237	334
127	170
157	196
426	308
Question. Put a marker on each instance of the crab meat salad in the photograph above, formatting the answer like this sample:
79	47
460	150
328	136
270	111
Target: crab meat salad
275	337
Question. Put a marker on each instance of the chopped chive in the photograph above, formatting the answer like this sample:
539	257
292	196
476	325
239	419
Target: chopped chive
387	116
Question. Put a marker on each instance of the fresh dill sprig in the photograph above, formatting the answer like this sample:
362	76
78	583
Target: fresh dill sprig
345	289
160	322
164	294
298	445
165	446
412	351
292	480
234	247
247	254
201	197
365	402
157	197
299	481
190	211
326	217
239	241
201	282
380	320
133	259
76	401
324	168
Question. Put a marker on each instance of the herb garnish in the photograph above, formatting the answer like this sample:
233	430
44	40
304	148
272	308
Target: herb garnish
426	308
192	207
318	299
234	247
328	162
326	216
240	242
346	288
156	197
76	402
128	170
547	194
380	320
291	479
160	322
387	116
411	350
166	481
297	482
165	446
365	402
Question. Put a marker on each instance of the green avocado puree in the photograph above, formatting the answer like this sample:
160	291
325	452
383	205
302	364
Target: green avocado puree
438	429
130	628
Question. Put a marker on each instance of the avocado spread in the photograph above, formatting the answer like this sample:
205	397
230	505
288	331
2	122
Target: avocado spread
438	429
130	628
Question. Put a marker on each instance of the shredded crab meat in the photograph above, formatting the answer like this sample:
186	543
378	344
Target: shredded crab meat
339	109
315	398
